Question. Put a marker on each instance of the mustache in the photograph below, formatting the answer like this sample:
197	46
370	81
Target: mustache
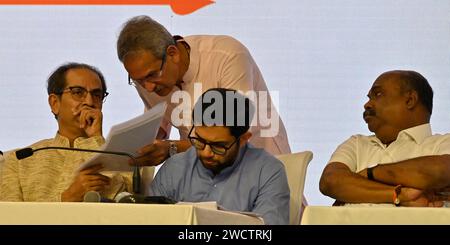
369	112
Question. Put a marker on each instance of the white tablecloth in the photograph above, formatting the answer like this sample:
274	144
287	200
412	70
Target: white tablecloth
117	214
317	215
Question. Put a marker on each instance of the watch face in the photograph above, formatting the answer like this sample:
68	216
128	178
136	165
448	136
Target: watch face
172	152
172	149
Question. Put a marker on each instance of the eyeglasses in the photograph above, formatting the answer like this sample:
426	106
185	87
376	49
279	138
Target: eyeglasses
217	148
152	76
80	93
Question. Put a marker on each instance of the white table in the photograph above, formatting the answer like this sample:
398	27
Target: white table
117	214
319	215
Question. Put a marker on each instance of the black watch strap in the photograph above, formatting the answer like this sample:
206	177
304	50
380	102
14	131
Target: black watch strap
370	173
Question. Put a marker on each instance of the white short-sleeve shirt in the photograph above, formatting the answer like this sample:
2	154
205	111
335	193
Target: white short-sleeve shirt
359	151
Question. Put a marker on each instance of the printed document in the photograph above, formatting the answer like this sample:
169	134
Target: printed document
128	137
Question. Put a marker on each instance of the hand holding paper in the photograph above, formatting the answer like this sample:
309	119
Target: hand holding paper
153	154
129	137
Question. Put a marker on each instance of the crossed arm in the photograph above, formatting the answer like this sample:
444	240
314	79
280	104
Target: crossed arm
422	178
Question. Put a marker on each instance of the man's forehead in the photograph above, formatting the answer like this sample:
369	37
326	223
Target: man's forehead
83	77
387	81
140	57
139	63
213	133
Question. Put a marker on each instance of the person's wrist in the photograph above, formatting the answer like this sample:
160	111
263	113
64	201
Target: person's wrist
173	148
370	175
396	195
65	196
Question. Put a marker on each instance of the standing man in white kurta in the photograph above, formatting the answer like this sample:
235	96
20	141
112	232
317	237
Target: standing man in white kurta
161	66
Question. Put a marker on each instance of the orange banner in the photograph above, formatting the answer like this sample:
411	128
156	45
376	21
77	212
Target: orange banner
181	7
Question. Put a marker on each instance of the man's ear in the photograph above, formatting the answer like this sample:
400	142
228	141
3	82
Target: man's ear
412	98
55	103
245	138
173	52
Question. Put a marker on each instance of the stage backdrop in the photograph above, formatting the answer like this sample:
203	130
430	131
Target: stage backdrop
321	56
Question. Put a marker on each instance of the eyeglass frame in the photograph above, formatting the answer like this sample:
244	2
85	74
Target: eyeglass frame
81	99
211	145
141	81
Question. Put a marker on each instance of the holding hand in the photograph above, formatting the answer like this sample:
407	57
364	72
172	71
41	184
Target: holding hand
411	197
87	180
153	154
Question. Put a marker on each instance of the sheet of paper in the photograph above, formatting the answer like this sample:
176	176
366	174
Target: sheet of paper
219	207
128	137
208	205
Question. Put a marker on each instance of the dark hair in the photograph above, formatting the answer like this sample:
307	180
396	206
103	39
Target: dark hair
143	33
224	107
412	80
56	82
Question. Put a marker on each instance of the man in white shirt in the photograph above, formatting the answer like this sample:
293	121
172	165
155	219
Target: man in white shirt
403	163
159	65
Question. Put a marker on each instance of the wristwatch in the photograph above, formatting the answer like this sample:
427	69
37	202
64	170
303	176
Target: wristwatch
370	171
172	148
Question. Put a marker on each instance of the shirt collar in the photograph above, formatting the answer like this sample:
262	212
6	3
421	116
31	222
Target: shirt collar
61	140
418	134
193	64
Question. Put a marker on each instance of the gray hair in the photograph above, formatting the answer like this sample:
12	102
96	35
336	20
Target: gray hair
143	33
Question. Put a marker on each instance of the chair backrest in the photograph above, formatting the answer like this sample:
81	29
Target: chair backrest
147	174
296	165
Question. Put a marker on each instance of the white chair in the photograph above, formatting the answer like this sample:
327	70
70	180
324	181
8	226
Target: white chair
147	174
296	165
